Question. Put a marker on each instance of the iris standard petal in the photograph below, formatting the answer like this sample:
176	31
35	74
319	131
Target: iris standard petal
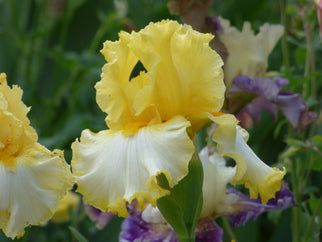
258	177
175	81
114	167
31	194
10	102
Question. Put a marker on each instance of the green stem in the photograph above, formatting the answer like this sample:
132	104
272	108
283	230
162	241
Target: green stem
310	58
295	188
295	210
309	227
228	229
284	41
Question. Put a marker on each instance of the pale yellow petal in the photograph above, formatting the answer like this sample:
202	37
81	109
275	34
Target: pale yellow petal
248	53
183	82
12	96
16	134
113	168
30	195
258	177
183	75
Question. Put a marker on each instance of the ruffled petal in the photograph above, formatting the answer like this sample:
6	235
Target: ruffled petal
114	167
248	53
258	177
10	102
31	194
176	81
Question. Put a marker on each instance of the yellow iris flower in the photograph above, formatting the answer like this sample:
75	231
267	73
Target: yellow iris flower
32	178
152	117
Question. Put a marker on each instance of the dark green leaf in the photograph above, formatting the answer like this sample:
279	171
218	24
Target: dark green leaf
183	206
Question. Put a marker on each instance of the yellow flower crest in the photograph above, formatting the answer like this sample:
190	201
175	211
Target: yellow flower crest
182	75
33	179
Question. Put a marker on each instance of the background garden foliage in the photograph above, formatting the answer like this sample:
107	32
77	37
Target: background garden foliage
50	48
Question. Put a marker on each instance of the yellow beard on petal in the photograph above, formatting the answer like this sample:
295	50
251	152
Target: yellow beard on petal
132	128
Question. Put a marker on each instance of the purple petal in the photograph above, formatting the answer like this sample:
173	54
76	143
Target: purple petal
208	230
100	218
281	82
214	24
246	208
295	110
264	94
261	86
256	106
135	228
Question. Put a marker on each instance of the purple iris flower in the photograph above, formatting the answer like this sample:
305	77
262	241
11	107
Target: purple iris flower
246	208
251	96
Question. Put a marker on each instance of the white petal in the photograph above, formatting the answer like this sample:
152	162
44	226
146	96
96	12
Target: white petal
113	168
216	200
152	215
31	193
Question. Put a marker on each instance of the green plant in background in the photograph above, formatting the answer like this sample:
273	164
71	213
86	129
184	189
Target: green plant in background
50	49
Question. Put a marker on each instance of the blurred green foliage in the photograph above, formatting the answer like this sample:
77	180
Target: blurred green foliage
51	49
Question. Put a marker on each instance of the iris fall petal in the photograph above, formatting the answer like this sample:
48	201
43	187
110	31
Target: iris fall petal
112	167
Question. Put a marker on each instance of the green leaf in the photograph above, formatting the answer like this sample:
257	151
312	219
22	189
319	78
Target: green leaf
77	234
279	127
317	161
317	141
292	151
274	216
182	207
315	205
296	143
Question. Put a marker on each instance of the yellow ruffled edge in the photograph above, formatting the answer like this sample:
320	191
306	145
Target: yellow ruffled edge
268	189
69	181
119	206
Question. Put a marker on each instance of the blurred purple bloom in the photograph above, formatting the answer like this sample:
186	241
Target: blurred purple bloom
214	25
246	208
100	218
251	96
